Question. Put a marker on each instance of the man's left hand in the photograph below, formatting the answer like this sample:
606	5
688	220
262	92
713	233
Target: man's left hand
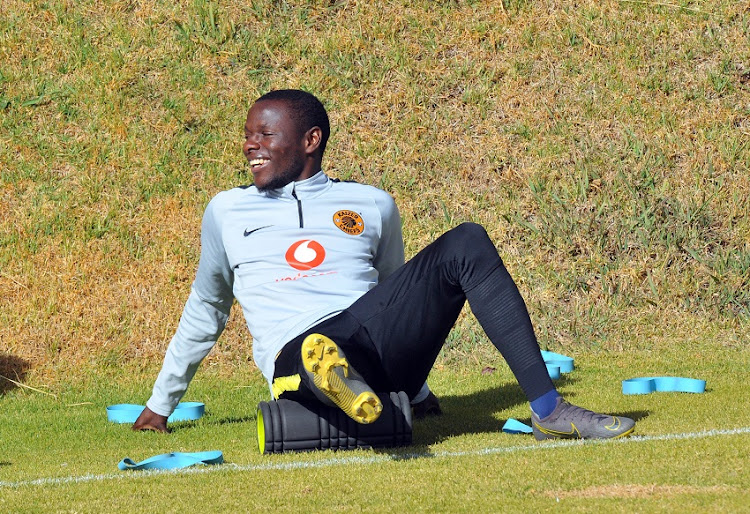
149	420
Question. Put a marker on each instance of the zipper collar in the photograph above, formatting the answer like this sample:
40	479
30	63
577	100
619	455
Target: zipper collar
303	189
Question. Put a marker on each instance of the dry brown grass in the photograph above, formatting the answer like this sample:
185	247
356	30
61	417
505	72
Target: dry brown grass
583	137
638	491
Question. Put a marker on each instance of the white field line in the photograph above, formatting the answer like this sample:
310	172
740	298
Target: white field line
358	460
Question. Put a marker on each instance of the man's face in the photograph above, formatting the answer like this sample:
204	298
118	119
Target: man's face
274	145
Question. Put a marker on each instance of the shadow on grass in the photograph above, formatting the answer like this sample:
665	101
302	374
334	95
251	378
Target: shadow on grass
12	369
467	414
179	426
476	413
232	420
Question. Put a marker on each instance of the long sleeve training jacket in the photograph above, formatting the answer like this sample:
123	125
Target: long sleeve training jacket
292	257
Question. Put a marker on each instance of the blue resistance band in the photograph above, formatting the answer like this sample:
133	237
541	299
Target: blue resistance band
128	412
173	461
513	426
557	364
646	385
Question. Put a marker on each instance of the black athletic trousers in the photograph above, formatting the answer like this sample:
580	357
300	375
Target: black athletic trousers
393	333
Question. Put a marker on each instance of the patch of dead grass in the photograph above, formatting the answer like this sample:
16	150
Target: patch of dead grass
638	491
456	108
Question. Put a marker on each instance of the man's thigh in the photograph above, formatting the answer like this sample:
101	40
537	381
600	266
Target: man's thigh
351	338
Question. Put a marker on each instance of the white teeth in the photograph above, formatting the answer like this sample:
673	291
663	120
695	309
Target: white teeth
258	162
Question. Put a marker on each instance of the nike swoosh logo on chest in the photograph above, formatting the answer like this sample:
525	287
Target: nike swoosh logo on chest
248	232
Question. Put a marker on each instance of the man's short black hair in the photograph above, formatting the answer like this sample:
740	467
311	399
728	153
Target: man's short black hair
306	109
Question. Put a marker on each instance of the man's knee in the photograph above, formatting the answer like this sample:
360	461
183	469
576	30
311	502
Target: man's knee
474	252
472	237
470	231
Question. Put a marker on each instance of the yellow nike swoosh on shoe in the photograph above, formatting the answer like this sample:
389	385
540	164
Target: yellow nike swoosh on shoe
615	424
573	431
625	434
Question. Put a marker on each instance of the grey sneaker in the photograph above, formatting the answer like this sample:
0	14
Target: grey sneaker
570	422
336	382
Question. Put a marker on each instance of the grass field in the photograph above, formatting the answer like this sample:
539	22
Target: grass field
60	454
604	145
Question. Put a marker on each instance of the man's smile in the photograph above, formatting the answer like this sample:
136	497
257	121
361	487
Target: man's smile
259	161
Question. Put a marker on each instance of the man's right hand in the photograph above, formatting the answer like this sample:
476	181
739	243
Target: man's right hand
149	420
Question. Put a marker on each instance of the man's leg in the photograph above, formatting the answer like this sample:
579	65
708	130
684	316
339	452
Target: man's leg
393	334
395	331
408	316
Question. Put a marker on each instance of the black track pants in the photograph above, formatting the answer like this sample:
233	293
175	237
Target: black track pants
393	334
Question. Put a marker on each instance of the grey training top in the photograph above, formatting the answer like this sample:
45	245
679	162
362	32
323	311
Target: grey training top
292	257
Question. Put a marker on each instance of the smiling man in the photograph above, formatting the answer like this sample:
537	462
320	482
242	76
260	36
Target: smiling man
317	266
278	150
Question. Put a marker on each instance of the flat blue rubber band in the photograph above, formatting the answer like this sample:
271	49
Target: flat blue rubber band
128	412
557	363
513	426
173	461
646	385
553	371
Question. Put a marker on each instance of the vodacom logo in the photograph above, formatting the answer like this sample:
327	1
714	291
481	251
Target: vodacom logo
306	254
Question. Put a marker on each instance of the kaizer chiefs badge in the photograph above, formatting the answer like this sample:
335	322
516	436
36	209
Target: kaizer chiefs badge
350	222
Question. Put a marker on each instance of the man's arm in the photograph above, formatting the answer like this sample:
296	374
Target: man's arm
203	320
389	255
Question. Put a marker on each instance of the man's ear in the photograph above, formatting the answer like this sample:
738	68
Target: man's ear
313	137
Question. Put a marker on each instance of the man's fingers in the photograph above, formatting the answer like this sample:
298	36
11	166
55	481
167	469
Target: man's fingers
150	427
149	420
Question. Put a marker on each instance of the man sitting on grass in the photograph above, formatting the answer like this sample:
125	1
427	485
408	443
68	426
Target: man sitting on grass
317	267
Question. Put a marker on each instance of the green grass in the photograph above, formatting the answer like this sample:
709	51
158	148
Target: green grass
604	146
60	453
